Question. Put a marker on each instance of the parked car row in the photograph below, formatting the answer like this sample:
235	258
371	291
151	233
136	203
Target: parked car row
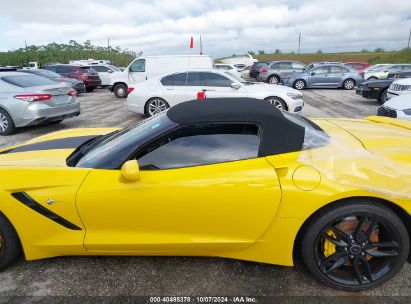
315	75
27	99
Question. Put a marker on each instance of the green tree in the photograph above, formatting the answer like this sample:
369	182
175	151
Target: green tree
261	52
379	50
319	52
277	51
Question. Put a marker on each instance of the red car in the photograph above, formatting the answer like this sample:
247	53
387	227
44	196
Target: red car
84	73
357	65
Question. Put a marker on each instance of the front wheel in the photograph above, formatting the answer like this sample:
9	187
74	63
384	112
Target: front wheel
277	102
10	247
299	84
120	90
355	245
90	89
155	106
348	84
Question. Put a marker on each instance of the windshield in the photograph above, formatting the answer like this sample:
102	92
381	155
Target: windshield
27	80
114	68
378	68
236	77
48	74
113	150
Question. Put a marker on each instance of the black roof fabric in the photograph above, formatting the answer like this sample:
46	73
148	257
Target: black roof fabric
279	135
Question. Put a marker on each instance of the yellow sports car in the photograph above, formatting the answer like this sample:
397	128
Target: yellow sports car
234	178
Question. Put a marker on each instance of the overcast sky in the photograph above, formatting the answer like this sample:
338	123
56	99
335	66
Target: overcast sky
227	26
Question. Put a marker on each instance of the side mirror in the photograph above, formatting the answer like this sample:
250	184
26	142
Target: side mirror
312	73
131	171
110	71
235	85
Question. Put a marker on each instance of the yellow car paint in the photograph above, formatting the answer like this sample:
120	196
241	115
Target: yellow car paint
250	209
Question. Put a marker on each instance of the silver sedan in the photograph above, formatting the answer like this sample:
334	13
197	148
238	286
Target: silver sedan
27	100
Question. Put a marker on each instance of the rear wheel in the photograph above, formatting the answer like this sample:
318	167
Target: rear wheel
372	78
155	106
7	126
120	90
273	79
10	247
299	84
355	246
348	84
277	102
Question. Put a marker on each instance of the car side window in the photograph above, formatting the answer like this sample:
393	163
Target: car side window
297	66
214	80
100	68
275	66
335	70
138	66
321	70
52	68
394	68
174	80
406	67
344	70
285	65
201	144
193	79
64	70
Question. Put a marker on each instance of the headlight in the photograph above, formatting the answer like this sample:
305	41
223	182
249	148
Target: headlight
407	111
295	95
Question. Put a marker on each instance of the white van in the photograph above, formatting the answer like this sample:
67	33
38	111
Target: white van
147	67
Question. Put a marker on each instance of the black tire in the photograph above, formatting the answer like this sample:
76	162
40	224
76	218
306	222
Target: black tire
155	105
348	84
299	84
7	126
90	89
120	90
322	232
277	102
10	248
273	79
383	96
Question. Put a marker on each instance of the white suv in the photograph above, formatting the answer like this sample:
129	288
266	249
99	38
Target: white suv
399	87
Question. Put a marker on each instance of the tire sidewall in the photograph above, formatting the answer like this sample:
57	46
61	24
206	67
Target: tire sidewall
299	80
273	77
345	83
11	127
119	86
149	101
318	223
12	247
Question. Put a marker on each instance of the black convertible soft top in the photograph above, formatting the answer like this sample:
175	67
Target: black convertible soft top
278	135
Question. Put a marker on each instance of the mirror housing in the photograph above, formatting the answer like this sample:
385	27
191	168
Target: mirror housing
312	73
235	86
130	170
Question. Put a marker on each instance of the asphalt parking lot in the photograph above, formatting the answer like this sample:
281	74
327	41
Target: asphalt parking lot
184	276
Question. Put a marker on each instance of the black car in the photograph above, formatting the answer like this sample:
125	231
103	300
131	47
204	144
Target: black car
256	67
377	89
74	83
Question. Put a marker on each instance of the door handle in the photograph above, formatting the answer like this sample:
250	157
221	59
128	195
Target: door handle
207	90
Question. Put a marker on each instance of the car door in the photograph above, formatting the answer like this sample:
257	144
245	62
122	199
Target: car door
174	88
319	77
202	188
336	75
285	69
214	85
137	71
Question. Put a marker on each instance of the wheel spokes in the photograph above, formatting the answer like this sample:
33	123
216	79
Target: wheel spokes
337	260
333	240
